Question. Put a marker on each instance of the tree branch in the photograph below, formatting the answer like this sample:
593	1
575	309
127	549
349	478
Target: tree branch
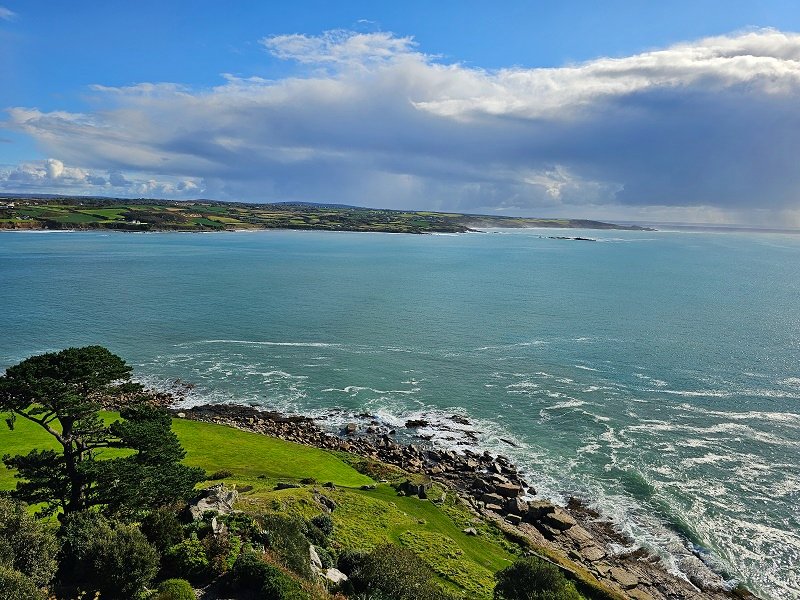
44	424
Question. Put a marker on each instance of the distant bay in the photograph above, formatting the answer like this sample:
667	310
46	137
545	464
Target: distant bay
654	374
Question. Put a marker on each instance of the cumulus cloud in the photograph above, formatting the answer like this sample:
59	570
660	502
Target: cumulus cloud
53	176
708	129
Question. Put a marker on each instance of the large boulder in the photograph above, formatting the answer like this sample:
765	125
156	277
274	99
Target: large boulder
335	576
559	519
508	490
516	506
217	498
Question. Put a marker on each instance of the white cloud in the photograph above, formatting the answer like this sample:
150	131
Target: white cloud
7	14
53	176
708	128
339	46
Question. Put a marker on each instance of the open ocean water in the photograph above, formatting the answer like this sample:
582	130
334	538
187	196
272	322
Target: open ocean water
654	374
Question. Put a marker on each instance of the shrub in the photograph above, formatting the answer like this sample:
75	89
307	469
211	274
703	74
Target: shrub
533	579
26	545
188	559
285	536
162	528
221	474
124	563
325	557
394	573
15	585
349	560
80	533
175	589
222	550
251	571
324	523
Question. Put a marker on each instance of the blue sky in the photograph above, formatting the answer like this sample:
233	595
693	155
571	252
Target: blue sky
641	110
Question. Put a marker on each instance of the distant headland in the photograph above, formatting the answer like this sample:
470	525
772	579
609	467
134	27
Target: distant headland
76	212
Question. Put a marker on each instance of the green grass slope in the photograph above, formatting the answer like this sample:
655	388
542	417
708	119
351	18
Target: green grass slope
363	519
212	447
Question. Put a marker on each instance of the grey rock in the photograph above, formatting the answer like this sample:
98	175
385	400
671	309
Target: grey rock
493	499
516	506
514	519
217	498
579	535
283	485
315	559
470	531
592	553
508	490
559	520
537	509
335	576
624	578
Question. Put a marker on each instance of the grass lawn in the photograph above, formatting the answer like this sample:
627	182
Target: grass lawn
212	447
250	455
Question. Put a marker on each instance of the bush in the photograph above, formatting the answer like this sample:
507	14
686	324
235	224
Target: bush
125	563
285	536
26	545
349	560
188	559
325	557
80	533
222	550
533	579
15	585
324	523
251	571
162	528
221	474
175	589
394	573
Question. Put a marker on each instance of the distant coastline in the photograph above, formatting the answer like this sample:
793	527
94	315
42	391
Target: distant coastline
113	214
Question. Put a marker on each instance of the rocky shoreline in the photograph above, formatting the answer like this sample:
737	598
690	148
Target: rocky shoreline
493	488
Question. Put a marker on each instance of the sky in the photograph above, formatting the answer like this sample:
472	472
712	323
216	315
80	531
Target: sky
617	110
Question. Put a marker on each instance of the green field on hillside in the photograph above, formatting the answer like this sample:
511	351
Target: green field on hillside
363	519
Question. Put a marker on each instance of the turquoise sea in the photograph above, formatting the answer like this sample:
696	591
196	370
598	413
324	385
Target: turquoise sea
654	374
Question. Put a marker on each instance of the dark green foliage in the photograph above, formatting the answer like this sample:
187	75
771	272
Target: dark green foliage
162	528
349	560
251	572
153	476
124	563
286	537
533	579
188	559
80	532
63	392
240	523
390	572
26	545
324	523
325	557
175	589
222	550
221	474
15	585
115	560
